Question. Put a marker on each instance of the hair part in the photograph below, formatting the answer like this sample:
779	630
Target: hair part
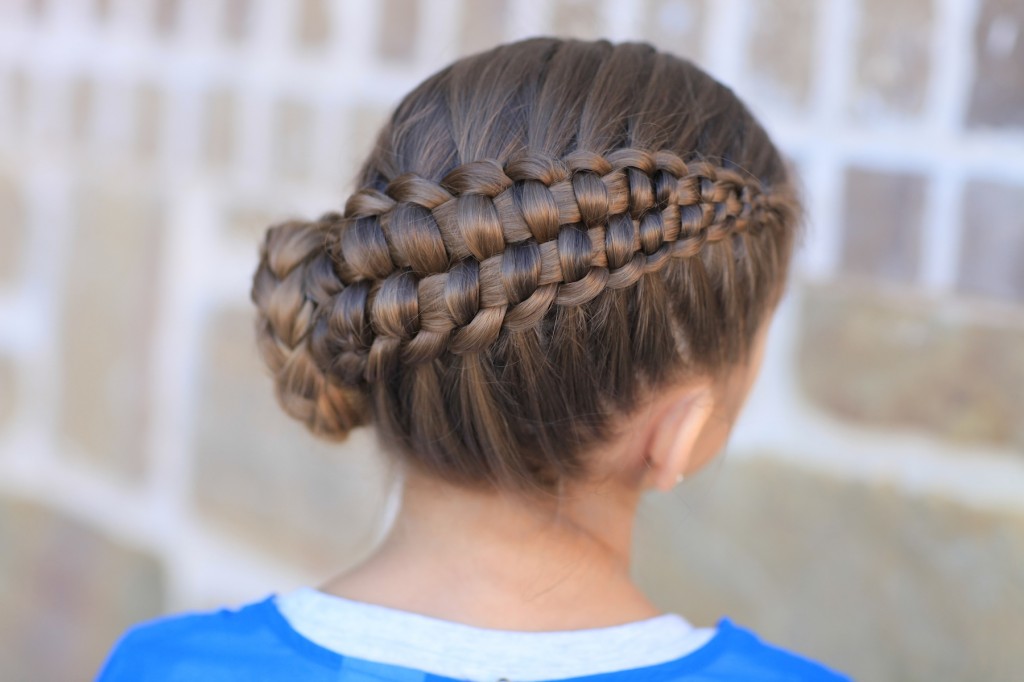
543	234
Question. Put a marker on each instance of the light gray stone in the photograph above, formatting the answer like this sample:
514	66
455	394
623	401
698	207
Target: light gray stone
8	390
293	141
396	35
483	24
68	592
869	579
992	252
262	477
314	23
148	121
13	230
882	216
781	52
676	26
577	19
997	94
107	312
893	59
220	122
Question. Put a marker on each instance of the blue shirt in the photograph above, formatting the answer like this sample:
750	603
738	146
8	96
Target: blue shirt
256	643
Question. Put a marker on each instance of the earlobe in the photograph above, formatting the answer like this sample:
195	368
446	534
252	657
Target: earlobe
681	427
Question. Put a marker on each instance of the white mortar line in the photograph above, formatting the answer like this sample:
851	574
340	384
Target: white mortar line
949	92
835	47
724	32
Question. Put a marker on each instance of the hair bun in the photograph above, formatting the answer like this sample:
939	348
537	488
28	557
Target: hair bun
293	282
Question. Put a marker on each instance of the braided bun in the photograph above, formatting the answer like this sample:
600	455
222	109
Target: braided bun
492	314
293	283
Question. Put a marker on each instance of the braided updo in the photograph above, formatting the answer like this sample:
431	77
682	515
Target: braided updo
542	234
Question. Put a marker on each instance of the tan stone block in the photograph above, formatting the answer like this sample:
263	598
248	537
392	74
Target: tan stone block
676	26
166	16
220	121
997	94
992	251
19	92
882	216
67	592
483	25
8	390
108	308
101	9
260	476
82	107
782	43
13	230
910	362
893	57
364	125
396	34
148	120
249	221
578	19
236	19
314	29
878	583
293	141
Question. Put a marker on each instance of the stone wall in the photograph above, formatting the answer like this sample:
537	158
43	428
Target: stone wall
870	508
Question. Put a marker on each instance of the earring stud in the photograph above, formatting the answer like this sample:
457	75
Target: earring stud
679	479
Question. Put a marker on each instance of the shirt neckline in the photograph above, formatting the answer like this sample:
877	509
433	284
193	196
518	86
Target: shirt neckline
695	659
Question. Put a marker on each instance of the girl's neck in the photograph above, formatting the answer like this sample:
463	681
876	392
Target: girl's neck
491	561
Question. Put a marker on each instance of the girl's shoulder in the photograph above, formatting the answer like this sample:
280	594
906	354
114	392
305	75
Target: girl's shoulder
221	645
738	653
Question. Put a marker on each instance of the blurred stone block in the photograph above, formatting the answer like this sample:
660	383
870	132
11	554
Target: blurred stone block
293	140
8	390
13	229
249	222
17	102
236	17
908	362
997	95
220	120
869	579
578	19
260	476
108	308
397	28
101	9
781	53
364	125
148	121
166	16
992	242
676	26
68	592
314	22
882	215
483	25
893	58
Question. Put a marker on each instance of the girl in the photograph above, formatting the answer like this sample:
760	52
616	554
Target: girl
548	294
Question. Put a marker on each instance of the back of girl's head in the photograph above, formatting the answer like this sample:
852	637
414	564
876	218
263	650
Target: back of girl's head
543	235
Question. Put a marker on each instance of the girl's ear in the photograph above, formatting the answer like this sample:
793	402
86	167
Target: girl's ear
676	435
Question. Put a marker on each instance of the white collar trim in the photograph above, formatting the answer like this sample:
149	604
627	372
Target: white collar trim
450	649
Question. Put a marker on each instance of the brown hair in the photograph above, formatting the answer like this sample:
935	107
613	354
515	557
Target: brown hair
543	234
